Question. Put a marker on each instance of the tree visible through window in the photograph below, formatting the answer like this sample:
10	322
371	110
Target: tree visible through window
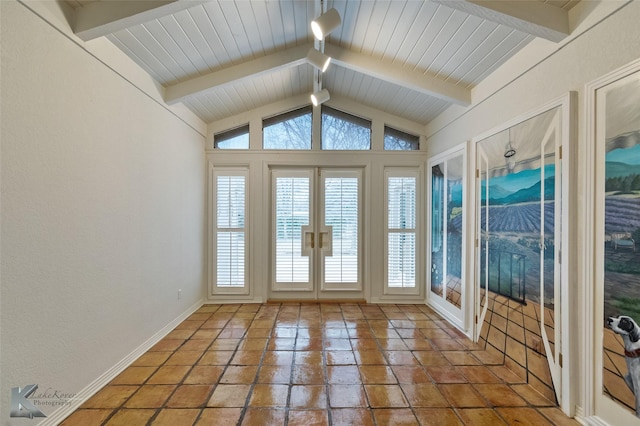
342	131
396	140
291	130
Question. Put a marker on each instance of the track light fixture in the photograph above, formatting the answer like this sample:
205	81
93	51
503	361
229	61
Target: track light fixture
320	97
325	23
318	59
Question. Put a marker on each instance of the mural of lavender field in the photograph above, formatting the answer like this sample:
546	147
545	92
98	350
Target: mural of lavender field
514	234
622	230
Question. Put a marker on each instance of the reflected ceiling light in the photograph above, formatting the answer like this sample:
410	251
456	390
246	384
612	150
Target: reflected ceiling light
318	59
320	97
325	23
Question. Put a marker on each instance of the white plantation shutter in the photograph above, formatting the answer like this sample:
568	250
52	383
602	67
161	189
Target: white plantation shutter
230	233
402	203
291	212
341	213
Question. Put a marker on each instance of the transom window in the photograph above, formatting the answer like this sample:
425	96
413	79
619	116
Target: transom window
397	140
237	138
291	130
342	131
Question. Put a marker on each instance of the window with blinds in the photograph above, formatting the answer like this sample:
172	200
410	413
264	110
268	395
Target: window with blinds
401	212
230	209
341	205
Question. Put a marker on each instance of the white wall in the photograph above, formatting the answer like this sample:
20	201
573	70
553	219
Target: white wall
610	40
102	212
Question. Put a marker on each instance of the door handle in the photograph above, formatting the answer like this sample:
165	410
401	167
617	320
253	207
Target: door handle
313	235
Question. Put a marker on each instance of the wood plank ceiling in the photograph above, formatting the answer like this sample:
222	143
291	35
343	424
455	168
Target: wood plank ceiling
409	58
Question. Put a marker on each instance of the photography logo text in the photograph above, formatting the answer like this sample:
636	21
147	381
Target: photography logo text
25	401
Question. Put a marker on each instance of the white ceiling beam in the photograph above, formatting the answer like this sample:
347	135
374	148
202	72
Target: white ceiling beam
529	16
101	18
401	76
250	69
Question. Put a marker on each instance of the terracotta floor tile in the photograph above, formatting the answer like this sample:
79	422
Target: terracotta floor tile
206	333
152	359
229	396
505	374
532	396
204	375
216	358
480	417
246	358
224	344
84	417
110	397
220	416
445	374
308	417
347	396
337	344
133	376
308	396
196	345
523	416
460	358
418	344
385	396
364	344
278	358
127	417
424	395
437	417
169	374
183	357
308	374
351	416
428	358
308	358
239	374
478	374
557	417
500	395
190	396
447	344
274	374
314	344
340	358
174	417
400	358
395	417
393	344
269	396
377	374
150	396
343	375
253	344
264	416
167	345
369	357
281	344
462	395
410	374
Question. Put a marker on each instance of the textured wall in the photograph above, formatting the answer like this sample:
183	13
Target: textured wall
102	212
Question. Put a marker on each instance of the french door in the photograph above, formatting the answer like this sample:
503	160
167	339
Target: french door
316	233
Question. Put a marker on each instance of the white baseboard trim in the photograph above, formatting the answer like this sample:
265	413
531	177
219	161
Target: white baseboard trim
81	397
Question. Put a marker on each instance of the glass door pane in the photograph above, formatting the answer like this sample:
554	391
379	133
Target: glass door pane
339	236
292	235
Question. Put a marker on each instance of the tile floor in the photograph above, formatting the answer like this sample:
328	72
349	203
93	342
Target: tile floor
316	364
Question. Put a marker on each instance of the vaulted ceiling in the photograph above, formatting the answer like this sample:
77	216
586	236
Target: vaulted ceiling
410	58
